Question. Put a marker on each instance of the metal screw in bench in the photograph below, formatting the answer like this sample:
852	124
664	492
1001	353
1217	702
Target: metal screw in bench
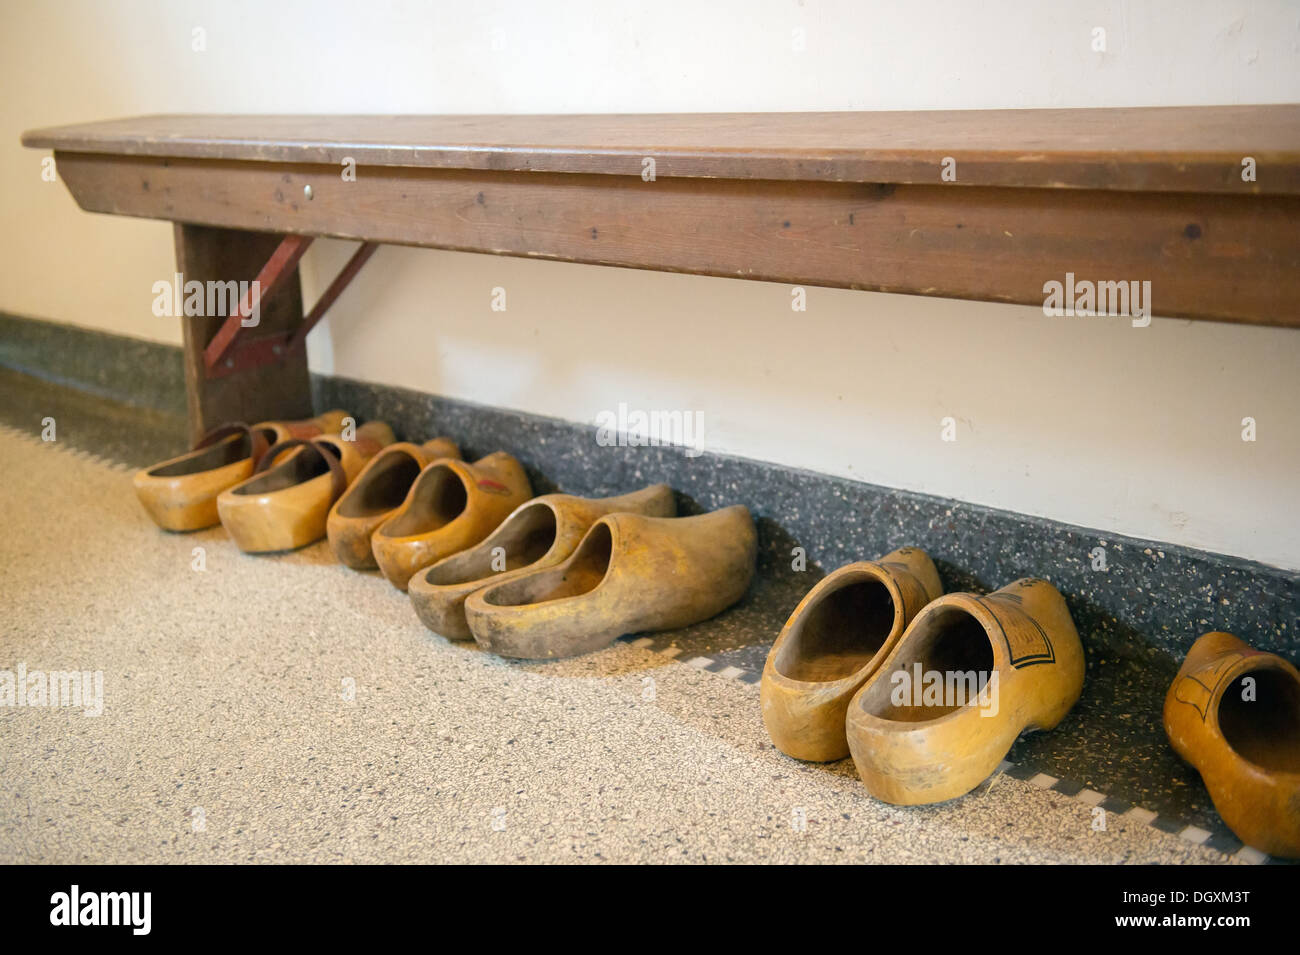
306	190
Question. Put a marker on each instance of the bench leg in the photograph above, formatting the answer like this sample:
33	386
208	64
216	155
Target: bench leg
281	389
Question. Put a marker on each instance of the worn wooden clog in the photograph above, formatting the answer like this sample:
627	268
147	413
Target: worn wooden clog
967	677
539	533
1233	712
629	574
284	505
180	494
452	505
833	642
377	492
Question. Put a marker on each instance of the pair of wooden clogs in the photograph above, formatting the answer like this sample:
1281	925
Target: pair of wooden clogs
271	485
395	481
181	494
564	575
841	680
414	505
450	506
927	691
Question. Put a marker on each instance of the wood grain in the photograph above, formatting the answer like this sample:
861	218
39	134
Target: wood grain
1212	256
1197	149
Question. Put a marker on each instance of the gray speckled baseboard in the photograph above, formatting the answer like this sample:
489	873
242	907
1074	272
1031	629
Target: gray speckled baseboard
125	370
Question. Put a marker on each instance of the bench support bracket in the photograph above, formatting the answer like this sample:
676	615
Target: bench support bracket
237	347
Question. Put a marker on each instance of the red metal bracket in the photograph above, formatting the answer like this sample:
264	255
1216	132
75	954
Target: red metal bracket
233	349
359	258
217	357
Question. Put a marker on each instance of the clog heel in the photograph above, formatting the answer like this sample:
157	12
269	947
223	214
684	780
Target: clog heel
1233	713
450	506
180	494
833	642
377	492
284	505
538	533
629	574
968	676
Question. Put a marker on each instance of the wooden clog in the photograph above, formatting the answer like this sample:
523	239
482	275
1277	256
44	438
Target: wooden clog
1233	712
451	505
629	574
913	749
833	642
539	533
284	505
377	492
180	494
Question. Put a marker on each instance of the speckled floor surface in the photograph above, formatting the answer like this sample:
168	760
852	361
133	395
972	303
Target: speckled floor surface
287	709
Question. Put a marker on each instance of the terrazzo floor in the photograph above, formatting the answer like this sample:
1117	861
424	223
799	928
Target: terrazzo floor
286	709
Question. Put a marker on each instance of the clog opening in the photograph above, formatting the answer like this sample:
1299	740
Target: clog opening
582	574
297	468
949	642
1262	722
440	497
384	486
524	539
229	450
840	634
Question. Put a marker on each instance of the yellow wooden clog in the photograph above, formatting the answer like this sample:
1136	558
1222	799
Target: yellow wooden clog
832	644
452	505
967	677
1233	712
629	574
284	505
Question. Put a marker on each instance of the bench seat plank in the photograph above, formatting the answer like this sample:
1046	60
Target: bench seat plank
1144	149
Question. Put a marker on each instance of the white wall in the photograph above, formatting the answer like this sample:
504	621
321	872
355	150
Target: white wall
1089	421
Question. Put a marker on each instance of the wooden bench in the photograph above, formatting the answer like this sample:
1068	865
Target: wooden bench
1203	202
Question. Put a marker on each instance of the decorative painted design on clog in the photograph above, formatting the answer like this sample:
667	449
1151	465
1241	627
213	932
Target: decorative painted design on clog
1198	689
1025	640
911	749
